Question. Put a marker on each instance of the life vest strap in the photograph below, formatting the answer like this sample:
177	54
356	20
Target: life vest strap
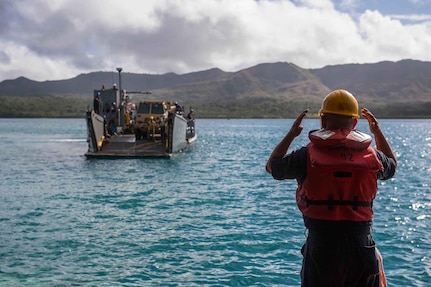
330	202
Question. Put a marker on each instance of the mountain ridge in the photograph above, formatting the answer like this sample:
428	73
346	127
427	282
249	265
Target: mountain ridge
274	90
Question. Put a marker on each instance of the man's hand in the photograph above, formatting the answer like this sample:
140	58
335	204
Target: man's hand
297	127
372	121
381	142
284	145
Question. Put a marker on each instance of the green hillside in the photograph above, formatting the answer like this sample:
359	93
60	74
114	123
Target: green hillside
276	90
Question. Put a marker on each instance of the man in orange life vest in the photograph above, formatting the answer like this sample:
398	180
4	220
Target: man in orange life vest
337	175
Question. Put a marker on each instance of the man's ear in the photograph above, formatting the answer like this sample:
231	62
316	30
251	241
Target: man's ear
322	122
355	122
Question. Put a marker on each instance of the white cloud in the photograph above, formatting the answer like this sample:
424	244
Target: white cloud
389	39
47	40
23	62
412	18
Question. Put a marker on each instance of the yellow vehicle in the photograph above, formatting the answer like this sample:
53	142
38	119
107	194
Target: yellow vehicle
151	119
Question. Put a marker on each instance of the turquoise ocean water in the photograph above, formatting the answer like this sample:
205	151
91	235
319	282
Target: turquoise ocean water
208	217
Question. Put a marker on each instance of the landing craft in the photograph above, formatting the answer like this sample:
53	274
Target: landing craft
118	127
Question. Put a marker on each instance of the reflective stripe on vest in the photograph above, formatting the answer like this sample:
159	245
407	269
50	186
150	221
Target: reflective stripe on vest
330	202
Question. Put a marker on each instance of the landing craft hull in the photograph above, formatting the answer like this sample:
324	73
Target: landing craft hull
118	127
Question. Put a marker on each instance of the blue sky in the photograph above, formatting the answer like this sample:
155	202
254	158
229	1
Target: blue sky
388	7
59	39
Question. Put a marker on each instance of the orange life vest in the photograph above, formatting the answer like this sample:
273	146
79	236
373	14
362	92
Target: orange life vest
341	181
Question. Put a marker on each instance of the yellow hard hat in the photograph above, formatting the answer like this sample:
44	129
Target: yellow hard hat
340	102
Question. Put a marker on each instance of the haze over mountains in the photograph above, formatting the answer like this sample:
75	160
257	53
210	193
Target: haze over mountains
389	89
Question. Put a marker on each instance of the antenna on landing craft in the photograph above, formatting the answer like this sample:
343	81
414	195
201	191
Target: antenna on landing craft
120	104
119	77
